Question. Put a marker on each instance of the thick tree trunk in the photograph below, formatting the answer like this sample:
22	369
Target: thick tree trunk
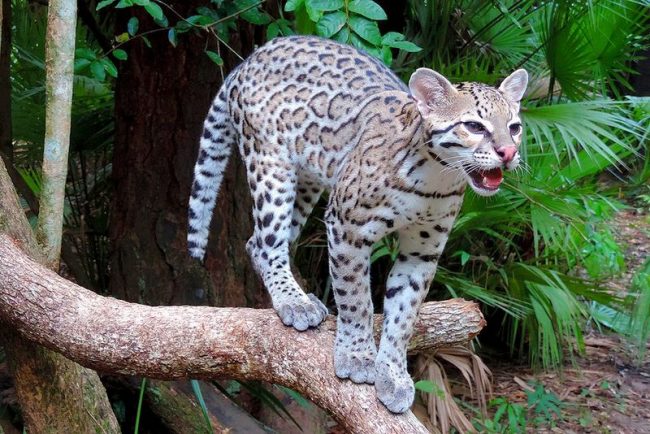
202	342
56	395
163	94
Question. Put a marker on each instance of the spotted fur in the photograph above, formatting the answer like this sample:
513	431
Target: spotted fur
310	115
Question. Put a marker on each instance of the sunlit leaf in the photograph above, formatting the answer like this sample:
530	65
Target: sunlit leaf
330	24
368	9
102	4
109	66
214	57
368	30
98	70
133	25
172	37
292	5
154	10
120	54
325	5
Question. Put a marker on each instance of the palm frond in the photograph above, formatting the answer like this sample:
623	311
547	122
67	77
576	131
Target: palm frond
587	44
590	126
502	30
639	326
459	286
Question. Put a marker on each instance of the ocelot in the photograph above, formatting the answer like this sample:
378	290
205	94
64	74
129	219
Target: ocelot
309	115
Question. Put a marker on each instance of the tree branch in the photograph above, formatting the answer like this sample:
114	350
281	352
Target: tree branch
59	65
202	342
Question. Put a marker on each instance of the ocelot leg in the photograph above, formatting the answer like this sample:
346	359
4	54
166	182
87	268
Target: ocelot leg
307	195
349	256
408	283
273	197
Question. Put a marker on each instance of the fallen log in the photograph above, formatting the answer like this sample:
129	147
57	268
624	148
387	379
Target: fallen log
176	342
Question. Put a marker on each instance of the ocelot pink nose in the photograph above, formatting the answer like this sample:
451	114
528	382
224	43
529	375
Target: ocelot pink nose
507	153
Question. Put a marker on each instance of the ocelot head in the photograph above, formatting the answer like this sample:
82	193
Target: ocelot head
472	129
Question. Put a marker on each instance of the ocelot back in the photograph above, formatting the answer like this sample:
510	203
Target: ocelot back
309	115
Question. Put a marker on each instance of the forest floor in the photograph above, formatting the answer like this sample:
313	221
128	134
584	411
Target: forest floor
606	390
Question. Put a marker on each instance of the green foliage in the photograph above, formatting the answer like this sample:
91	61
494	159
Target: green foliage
632	322
352	22
99	65
216	19
543	409
517	252
91	139
428	386
508	418
641	166
214	57
518	244
589	45
347	21
602	256
196	389
138	413
545	405
387	246
639	324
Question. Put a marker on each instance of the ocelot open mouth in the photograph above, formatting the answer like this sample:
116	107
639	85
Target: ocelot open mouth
486	181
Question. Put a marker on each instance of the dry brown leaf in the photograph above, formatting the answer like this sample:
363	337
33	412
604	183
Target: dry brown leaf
523	384
442	408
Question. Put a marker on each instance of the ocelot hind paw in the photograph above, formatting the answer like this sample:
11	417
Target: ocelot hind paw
394	389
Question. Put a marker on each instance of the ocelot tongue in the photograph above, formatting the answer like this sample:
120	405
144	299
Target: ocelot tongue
492	178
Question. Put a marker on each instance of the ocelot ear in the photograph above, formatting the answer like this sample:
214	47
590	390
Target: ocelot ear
514	86
430	90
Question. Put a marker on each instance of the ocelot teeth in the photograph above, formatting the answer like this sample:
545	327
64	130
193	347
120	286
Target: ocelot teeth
485	180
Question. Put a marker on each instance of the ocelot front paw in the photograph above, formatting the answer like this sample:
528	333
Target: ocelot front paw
394	386
301	311
358	366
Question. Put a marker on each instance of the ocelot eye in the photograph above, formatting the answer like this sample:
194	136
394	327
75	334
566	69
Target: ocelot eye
475	127
515	129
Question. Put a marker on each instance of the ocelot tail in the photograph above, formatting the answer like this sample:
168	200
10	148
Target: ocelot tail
309	115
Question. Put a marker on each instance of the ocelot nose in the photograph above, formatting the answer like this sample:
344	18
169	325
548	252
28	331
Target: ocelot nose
507	153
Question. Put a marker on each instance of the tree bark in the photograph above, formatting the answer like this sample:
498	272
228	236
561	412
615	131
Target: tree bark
12	219
202	342
162	97
56	395
59	60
